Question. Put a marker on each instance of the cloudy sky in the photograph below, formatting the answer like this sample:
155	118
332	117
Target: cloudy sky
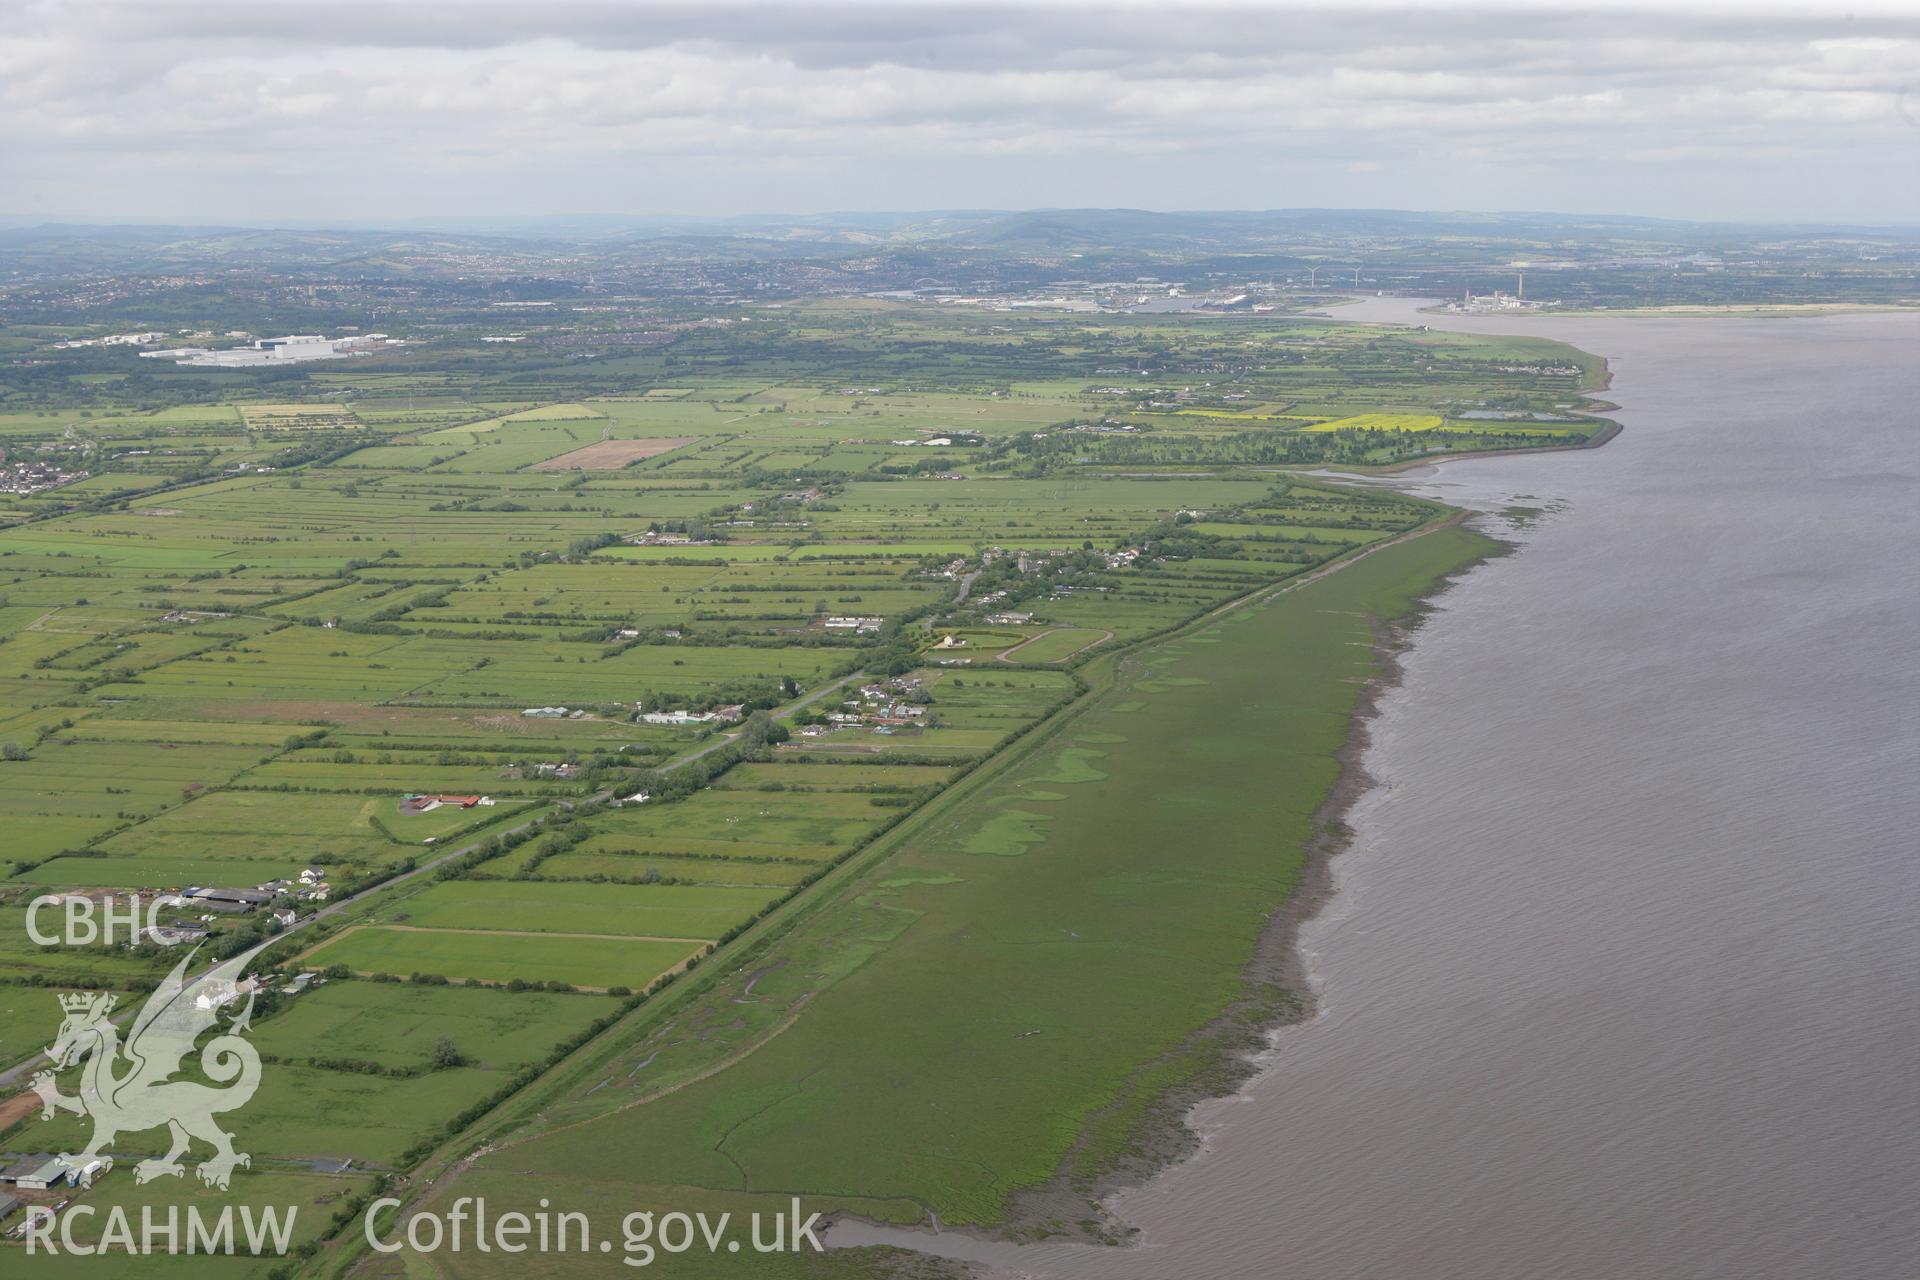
270	110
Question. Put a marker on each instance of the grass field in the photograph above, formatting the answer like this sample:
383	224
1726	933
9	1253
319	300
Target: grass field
1056	644
400	1025
675	912
593	963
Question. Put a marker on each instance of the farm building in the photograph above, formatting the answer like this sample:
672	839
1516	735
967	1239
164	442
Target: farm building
186	931
84	1175
8	1204
416	803
35	1173
229	899
678	717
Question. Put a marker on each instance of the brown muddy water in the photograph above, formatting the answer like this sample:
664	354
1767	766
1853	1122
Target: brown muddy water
1621	977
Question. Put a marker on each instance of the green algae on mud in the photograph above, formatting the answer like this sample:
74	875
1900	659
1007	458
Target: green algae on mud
1041	1019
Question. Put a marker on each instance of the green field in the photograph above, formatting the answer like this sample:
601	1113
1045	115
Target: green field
1057	644
400	1025
675	912
945	909
591	962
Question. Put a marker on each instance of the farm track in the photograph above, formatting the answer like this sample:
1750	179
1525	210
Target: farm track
711	1069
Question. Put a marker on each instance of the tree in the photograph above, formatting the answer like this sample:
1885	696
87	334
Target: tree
447	1054
761	730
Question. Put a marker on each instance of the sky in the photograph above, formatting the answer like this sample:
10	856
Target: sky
309	111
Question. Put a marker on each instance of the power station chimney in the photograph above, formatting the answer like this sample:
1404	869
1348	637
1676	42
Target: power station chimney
1522	293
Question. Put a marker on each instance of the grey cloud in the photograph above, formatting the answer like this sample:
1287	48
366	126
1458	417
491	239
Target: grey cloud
910	104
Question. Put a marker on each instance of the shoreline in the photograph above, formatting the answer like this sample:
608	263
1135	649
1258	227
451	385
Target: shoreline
1278	960
1609	431
1605	435
1234	1047
1231	1047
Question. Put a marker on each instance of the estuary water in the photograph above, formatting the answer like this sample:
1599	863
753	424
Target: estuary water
1621	977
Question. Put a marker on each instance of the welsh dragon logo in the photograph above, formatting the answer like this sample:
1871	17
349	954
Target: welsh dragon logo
129	1087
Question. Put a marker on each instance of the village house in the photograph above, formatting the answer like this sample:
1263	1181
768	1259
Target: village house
217	994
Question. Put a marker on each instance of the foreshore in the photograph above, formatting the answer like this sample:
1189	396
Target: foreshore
1219	1058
